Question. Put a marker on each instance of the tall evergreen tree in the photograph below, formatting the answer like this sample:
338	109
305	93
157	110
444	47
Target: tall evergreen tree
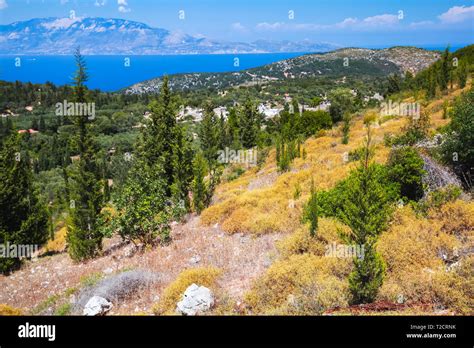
23	218
234	129
311	213
250	125
365	209
445	70
209	135
183	167
159	137
83	237
462	73
431	91
199	184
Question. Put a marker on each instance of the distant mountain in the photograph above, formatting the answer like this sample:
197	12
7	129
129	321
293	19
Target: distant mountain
346	62
109	36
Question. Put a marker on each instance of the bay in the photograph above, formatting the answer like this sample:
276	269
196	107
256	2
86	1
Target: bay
111	73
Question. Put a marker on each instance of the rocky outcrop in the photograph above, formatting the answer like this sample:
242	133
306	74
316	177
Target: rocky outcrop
437	176
97	306
196	299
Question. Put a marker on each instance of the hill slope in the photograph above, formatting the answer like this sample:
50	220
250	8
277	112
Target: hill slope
339	63
253	235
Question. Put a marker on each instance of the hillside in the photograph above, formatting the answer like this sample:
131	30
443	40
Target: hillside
347	62
251	249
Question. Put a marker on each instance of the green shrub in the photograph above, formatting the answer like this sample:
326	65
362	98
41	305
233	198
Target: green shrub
458	149
142	210
405	167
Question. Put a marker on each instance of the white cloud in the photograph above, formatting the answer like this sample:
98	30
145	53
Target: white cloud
123	9
123	6
238	27
100	3
381	20
347	22
3	4
457	14
272	26
422	24
63	2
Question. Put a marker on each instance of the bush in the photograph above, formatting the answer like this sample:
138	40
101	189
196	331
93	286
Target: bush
458	149
342	101
301	279
367	276
415	131
172	293
300	242
313	121
405	167
58	244
415	249
142	211
6	310
311	213
437	198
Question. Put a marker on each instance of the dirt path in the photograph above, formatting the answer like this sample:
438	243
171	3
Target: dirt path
241	257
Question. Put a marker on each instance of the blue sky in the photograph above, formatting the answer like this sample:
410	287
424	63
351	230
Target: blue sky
344	22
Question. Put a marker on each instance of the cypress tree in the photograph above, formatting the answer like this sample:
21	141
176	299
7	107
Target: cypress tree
462	73
23	218
249	122
183	167
210	141
431	91
159	137
209	136
199	184
365	209
445	70
234	129
311	213
83	237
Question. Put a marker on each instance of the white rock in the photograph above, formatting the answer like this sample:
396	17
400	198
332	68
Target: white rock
97	306
195	259
108	270
196	299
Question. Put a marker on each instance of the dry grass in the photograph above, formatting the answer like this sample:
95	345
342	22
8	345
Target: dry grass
418	252
6	310
241	259
300	242
301	284
259	201
58	244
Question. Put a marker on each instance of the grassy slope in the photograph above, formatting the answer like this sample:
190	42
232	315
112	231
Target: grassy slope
256	279
260	202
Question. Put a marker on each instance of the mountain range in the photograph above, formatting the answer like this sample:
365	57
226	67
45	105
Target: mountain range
111	36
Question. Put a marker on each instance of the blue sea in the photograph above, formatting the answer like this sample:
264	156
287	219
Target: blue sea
111	73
